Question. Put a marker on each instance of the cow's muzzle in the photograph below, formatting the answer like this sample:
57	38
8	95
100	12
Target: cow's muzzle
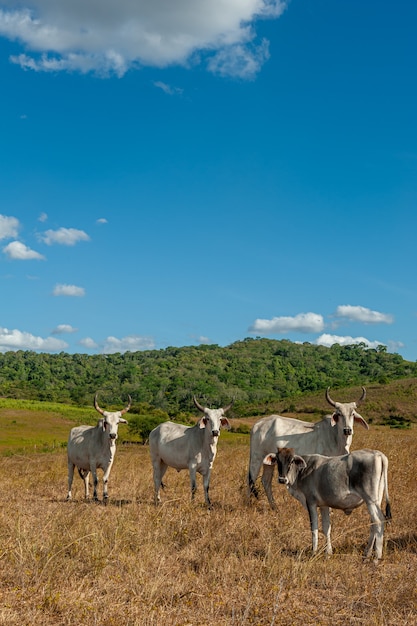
283	480
215	433
347	431
113	436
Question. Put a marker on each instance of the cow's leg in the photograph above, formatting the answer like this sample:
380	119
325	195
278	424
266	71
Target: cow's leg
253	473
93	469
70	479
159	469
326	528
193	479
314	525
85	475
376	536
206	483
106	477
267	476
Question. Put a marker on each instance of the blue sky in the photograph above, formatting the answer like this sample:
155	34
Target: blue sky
200	172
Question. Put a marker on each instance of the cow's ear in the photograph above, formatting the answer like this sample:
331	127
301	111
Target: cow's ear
122	420
225	422
202	423
334	418
359	419
102	424
270	459
299	461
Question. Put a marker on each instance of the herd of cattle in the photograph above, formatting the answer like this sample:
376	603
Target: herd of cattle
313	461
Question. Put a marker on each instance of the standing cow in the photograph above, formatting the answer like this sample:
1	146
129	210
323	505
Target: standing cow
93	447
187	447
331	436
341	482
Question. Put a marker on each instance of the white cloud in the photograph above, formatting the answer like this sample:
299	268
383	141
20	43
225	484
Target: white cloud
18	340
88	343
112	36
43	217
328	340
64	236
9	227
362	314
69	290
130	342
395	346
101	220
172	91
240	60
17	250
62	329
302	323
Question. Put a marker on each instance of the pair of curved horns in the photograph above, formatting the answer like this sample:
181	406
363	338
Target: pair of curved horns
101	411
201	408
333	403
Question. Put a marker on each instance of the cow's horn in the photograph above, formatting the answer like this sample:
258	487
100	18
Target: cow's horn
229	406
96	406
125	410
328	398
198	405
363	396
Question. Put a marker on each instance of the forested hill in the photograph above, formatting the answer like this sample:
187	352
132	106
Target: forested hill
253	371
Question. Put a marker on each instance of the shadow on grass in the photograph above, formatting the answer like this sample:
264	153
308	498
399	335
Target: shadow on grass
407	542
92	502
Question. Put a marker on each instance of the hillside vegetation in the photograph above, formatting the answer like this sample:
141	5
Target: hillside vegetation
258	373
34	426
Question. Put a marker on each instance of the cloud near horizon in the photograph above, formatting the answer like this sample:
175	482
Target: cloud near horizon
302	323
362	314
88	343
111	345
18	340
111	37
329	340
62	329
131	343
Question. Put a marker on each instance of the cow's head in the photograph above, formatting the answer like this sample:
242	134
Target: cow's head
213	418
289	464
345	415
112	419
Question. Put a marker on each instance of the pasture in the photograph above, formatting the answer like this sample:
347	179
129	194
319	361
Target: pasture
133	564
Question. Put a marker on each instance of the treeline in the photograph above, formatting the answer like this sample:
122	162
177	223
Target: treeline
254	371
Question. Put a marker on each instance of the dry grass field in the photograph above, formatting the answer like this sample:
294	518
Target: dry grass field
132	564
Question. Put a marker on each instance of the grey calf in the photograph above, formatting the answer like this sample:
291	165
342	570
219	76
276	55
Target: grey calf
343	482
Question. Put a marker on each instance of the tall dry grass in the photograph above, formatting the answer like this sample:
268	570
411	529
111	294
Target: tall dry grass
130	563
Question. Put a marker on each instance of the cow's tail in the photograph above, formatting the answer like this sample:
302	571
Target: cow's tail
388	514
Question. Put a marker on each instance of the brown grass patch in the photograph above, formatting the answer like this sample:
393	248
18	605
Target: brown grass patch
130	563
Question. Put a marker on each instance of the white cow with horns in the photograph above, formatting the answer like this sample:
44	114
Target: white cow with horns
331	436
341	482
93	447
187	447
